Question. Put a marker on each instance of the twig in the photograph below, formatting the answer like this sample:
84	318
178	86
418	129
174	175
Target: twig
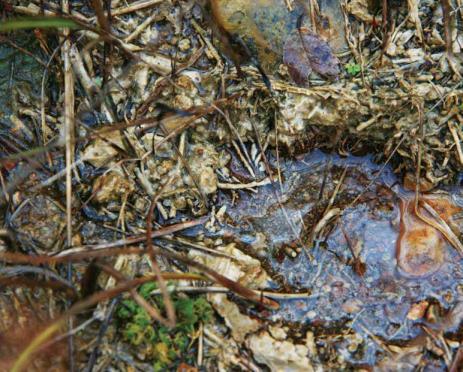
170	320
329	214
49	181
236	287
198	247
441	226
140	27
73	331
22	270
150	309
200	345
277	151
289	5
166	230
38	341
456	139
448	31
420	155
233	129
241	156
274	189
386	26
33	10
219	290
209	44
69	134
136	5
101	332
415	18
239	186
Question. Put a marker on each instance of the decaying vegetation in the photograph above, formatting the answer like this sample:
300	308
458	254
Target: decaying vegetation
123	122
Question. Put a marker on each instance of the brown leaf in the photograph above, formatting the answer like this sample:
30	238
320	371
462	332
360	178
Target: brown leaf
305	52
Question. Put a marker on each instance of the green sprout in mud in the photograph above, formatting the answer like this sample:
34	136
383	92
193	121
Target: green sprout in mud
353	69
165	347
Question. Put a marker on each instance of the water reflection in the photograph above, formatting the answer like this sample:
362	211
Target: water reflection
404	259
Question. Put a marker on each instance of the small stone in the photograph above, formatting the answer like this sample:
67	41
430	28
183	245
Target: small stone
101	151
433	313
418	310
179	203
76	240
352	306
39	223
111	186
182	102
185	82
184	45
277	333
279	355
352	347
208	181
310	343
311	314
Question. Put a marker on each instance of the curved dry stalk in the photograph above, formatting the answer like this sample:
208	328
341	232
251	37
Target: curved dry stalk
149	308
248	161
440	225
166	230
69	128
170	321
235	287
449	26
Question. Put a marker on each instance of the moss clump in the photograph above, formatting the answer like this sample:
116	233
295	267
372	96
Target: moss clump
165	347
353	69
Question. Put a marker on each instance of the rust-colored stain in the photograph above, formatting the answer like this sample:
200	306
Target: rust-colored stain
445	207
421	247
378	266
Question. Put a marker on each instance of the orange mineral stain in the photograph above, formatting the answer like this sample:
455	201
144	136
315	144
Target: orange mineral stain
421	247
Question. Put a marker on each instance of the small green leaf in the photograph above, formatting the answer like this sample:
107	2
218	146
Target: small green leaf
37	22
353	69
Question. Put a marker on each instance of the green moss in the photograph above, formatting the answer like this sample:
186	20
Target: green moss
164	347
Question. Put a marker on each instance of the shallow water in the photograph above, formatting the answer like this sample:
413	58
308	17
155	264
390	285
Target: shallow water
399	260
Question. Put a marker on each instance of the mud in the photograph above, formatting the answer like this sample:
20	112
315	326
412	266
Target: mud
368	269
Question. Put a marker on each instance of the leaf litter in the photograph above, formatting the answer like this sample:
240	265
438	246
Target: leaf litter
214	108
